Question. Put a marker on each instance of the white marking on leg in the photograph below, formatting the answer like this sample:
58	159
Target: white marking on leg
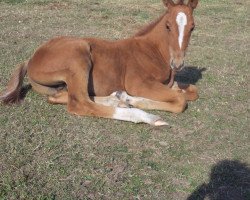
136	115
181	20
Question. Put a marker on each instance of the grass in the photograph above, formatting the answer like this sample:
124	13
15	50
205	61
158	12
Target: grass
45	153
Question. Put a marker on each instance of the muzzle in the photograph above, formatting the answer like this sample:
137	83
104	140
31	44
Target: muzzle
177	65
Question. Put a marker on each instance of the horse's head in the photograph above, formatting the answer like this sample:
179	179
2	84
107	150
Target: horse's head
179	23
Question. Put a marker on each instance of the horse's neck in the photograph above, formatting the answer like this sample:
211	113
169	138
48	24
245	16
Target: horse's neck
159	38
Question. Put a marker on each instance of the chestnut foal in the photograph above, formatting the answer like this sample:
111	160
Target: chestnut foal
83	72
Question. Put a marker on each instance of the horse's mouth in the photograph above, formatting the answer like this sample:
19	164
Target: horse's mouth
178	69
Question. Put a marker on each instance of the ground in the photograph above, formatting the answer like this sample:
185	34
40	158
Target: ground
45	153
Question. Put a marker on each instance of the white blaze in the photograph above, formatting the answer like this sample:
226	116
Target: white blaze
181	20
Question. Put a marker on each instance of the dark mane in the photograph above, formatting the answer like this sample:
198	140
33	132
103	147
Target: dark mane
146	29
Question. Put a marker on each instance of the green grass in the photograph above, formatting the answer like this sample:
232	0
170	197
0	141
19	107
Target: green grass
45	153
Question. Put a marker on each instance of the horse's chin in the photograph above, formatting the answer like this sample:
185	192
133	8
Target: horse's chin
175	69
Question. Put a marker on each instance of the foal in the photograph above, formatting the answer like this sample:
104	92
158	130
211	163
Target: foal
83	72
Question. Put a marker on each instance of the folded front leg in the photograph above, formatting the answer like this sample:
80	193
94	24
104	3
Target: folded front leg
190	91
155	95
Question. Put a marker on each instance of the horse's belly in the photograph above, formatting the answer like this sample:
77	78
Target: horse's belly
104	82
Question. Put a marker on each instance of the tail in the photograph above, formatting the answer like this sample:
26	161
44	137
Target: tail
13	92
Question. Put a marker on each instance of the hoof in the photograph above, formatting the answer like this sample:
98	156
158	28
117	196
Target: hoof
157	121
161	123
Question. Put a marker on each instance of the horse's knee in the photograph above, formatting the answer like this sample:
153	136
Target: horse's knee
180	104
191	93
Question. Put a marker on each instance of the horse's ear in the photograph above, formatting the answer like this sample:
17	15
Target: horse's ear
168	3
193	3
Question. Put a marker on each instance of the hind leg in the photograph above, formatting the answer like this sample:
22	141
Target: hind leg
56	95
61	97
42	89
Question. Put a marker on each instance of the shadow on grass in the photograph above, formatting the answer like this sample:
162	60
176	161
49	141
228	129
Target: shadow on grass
190	75
229	180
